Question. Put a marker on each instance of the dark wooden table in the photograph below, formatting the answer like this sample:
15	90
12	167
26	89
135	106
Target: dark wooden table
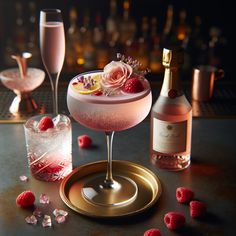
211	176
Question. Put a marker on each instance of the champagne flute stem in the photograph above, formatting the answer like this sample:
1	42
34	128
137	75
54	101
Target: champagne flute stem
54	85
109	178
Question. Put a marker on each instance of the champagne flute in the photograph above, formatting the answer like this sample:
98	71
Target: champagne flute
52	47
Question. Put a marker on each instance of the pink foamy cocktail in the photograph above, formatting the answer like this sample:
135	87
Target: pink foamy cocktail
115	99
49	152
109	113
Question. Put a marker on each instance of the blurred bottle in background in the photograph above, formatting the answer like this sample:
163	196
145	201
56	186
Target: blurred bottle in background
89	52
143	44
101	46
216	47
19	29
182	29
32	40
169	31
128	26
74	48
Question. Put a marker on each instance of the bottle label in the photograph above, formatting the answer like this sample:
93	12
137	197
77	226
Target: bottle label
169	137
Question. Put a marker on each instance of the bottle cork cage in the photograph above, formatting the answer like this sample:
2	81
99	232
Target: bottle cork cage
222	105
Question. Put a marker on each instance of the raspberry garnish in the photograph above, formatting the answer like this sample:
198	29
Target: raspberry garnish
84	141
133	85
152	232
97	93
25	199
174	220
184	195
45	123
197	209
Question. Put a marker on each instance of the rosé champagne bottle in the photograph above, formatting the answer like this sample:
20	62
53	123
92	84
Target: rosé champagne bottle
171	118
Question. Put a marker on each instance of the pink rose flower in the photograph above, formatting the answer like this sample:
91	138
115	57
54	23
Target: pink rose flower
115	74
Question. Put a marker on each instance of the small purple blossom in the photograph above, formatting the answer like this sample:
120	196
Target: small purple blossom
135	64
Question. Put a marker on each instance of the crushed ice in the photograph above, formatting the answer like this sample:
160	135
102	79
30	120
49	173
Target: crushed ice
60	215
23	178
47	221
37	212
44	199
60	219
58	212
56	120
32	220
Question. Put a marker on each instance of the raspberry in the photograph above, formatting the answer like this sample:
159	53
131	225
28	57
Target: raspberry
133	85
25	199
197	209
45	123
97	93
152	232
84	141
174	220
184	195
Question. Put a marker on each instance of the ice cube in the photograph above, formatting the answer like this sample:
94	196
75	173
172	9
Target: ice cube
56	120
47	221
60	219
58	212
32	220
44	199
23	178
37	212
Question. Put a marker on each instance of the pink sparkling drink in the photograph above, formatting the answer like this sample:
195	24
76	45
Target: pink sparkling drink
109	113
49	152
52	44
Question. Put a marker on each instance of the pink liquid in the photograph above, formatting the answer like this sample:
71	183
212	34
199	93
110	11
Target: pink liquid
52	45
49	152
178	111
52	167
109	113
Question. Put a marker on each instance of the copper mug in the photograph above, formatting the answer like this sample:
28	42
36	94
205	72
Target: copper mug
203	82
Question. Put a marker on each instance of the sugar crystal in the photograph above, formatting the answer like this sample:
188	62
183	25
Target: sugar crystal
31	220
60	219
58	212
23	178
37	212
44	199
47	222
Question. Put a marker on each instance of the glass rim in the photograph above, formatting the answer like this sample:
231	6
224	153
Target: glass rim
50	10
46	114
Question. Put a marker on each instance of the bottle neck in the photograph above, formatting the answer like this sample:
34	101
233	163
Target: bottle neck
171	86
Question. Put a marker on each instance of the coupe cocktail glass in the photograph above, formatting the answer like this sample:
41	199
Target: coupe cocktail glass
109	114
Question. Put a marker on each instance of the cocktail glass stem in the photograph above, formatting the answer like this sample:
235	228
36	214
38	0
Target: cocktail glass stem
54	85
108	191
109	182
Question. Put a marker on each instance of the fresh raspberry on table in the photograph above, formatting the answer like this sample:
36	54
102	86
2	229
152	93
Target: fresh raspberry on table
45	123
174	220
152	232
184	195
25	199
84	141
197	209
133	85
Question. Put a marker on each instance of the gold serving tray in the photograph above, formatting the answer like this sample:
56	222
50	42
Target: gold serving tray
149	189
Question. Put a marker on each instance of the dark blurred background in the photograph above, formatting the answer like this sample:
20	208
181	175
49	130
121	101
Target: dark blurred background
142	28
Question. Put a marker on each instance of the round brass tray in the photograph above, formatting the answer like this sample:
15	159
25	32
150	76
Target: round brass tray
149	189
